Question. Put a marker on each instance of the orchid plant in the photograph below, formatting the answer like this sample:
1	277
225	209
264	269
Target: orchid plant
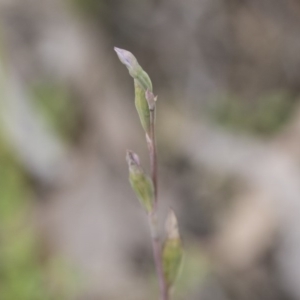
168	253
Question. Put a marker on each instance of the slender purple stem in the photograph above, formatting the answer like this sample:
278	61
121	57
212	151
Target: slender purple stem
156	244
157	254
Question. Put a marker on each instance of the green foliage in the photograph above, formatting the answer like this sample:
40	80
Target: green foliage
22	274
263	116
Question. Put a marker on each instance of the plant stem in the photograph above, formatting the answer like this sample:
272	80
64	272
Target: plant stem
156	244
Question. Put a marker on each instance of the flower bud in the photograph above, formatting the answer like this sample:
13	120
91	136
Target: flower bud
135	70
140	183
172	250
142	83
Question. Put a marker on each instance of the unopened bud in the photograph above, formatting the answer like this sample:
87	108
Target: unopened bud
172	250
133	160
135	70
142	83
140	182
129	60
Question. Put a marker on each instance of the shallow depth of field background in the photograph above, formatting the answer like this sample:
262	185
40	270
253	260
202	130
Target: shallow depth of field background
227	75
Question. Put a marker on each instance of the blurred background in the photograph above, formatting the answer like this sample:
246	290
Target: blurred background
227	76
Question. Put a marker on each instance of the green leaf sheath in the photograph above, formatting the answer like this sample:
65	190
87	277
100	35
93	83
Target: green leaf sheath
143	187
172	256
142	106
143	79
142	83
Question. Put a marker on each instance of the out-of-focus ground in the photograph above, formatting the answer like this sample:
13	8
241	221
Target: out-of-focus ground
227	75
